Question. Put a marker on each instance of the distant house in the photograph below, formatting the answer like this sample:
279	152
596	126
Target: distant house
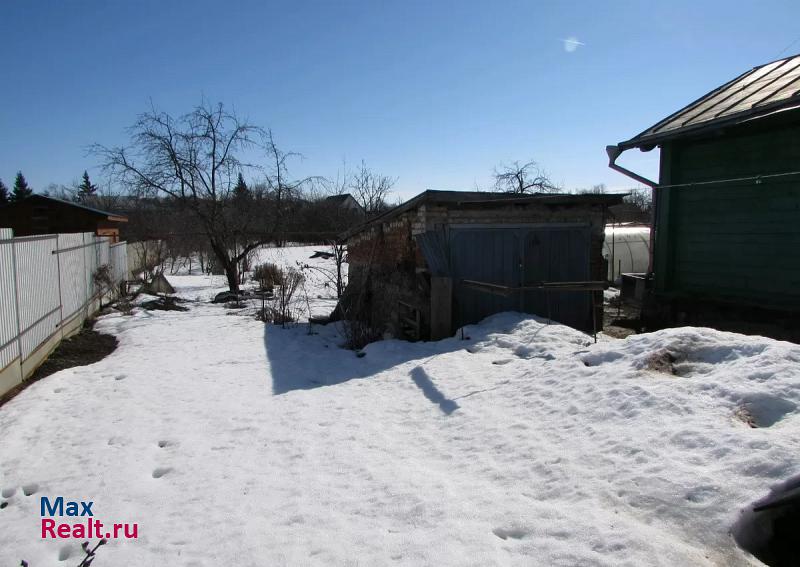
46	215
445	259
345	201
727	205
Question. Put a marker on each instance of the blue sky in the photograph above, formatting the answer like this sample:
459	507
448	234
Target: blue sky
434	93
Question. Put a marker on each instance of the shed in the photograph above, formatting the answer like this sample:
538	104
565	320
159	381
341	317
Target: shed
39	214
445	259
727	204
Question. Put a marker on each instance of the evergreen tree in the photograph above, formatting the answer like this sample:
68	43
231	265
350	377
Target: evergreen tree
3	193
86	188
240	191
21	188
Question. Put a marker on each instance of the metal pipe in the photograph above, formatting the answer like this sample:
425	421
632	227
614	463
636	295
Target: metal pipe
613	153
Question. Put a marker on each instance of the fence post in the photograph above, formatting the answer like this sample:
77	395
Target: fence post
85	281
17	308
60	294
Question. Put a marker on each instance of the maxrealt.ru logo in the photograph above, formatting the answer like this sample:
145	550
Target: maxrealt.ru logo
86	528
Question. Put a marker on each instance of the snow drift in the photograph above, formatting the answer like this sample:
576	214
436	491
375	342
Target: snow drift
523	444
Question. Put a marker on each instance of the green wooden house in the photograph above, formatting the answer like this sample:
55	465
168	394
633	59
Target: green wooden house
726	225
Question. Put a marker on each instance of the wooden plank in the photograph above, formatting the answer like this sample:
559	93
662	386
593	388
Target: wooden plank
441	307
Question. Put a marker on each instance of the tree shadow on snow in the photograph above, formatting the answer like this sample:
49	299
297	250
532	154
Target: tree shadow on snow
429	389
300	361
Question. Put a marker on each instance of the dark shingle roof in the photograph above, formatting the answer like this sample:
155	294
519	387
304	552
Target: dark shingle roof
98	212
338	199
760	91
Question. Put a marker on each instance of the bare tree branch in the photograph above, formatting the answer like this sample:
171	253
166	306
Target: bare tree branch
371	189
522	178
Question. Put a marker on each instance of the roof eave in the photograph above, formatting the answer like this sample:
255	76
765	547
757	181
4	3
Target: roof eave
650	141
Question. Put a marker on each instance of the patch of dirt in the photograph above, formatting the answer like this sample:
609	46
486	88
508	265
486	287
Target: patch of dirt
661	361
742	413
87	347
618	332
164	304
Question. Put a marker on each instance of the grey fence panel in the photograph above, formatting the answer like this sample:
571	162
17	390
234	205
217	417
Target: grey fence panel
9	345
103	251
118	259
72	270
37	290
46	281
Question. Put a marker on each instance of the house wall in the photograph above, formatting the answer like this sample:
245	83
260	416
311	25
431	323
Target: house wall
386	266
731	242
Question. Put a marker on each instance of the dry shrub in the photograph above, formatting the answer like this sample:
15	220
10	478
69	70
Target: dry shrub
267	275
103	281
125	307
357	320
285	283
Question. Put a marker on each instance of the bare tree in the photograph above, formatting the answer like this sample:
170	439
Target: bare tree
642	198
370	189
522	178
193	160
599	189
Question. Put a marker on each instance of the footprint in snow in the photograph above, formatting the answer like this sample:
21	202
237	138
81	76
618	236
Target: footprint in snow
30	489
502	361
64	552
120	377
164	443
513	532
161	471
8	492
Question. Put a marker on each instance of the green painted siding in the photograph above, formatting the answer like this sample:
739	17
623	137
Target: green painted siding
739	241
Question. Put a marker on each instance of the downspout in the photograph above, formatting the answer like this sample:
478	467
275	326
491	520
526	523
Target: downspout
613	153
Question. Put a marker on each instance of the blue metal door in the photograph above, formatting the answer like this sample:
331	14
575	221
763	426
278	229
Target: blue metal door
516	257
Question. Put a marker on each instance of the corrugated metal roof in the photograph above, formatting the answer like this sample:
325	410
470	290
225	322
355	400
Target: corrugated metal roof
762	90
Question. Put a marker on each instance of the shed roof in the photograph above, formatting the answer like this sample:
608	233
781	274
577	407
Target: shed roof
106	215
487	199
760	91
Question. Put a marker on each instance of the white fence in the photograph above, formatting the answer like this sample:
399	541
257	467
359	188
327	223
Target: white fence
47	291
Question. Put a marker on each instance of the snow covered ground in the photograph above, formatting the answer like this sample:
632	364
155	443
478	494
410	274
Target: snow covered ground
232	443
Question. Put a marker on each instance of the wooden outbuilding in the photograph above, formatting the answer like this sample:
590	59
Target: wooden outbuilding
39	214
727	205
445	259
